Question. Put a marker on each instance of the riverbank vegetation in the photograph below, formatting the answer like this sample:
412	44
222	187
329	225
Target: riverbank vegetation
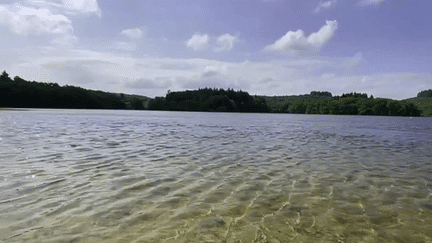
356	106
19	93
213	100
424	104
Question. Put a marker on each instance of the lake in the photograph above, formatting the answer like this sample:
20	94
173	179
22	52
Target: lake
149	176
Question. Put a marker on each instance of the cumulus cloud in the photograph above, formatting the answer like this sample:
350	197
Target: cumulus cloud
324	5
210	71
213	70
23	20
133	34
365	3
226	42
198	42
69	6
297	41
82	6
116	72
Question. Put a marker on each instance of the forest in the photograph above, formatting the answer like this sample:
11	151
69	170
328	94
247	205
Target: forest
19	93
425	94
212	100
351	105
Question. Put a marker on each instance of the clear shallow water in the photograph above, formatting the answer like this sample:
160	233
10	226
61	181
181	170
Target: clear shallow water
130	176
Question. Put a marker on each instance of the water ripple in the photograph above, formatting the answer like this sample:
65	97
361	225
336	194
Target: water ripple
123	176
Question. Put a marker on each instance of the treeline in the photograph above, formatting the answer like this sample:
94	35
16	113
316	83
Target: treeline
425	94
353	95
352	105
321	94
212	100
281	104
19	93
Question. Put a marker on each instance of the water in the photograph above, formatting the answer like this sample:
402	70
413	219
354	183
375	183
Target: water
132	176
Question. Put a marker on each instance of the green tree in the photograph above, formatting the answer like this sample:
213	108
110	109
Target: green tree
348	106
299	107
24	94
380	108
158	103
137	104
393	107
334	108
5	77
365	107
425	93
413	110
324	108
285	107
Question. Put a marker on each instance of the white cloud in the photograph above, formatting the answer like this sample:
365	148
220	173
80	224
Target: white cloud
213	70
324	5
82	6
68	6
387	85
226	42
297	41
150	76
365	3
23	20
133	34
198	42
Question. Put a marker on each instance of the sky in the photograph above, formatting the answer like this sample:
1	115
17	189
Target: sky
265	47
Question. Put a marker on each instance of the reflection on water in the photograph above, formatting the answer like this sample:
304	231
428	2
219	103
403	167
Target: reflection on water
121	176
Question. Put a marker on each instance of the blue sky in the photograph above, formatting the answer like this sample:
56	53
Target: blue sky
265	47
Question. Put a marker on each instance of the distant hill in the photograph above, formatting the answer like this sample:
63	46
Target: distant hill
20	93
424	104
423	101
425	94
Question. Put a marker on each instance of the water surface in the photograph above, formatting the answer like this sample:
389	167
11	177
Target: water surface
142	176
